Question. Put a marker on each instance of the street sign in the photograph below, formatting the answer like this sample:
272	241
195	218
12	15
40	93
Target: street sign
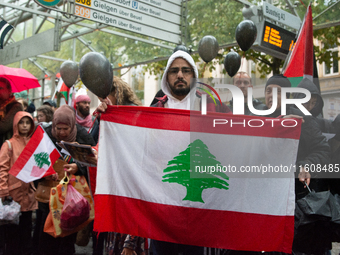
276	14
158	9
123	23
273	40
171	6
30	47
140	17
277	38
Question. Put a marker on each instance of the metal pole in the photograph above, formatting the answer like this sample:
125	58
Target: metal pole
74	50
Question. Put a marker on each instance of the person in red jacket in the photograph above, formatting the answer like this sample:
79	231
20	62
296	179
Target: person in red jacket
21	192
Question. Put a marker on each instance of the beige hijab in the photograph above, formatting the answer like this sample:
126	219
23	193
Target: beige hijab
65	115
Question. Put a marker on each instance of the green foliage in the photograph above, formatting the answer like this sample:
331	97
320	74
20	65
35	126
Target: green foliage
41	159
214	17
220	19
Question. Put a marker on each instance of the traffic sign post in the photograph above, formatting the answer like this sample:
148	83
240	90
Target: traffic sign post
136	16
271	38
30	47
281	16
125	24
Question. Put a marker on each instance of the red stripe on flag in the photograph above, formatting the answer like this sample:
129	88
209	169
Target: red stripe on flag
301	59
184	120
200	227
53	158
308	65
28	151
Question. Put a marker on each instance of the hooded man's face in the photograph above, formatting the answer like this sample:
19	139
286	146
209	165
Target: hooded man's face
179	75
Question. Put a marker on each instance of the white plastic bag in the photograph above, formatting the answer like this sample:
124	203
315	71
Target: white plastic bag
9	213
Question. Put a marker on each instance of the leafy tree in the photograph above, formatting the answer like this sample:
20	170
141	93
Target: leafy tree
214	17
183	170
220	19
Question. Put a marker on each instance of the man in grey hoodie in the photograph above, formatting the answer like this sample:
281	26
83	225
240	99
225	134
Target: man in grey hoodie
179	86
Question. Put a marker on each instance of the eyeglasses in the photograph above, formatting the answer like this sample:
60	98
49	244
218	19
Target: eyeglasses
186	71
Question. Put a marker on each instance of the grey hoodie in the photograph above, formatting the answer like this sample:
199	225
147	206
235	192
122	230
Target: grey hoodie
172	101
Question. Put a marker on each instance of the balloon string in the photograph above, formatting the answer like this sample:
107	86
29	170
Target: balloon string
202	75
242	60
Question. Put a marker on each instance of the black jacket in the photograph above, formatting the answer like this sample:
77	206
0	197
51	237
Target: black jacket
324	124
313	150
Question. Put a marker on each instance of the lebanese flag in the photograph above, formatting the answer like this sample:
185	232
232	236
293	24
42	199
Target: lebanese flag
153	180
37	159
299	62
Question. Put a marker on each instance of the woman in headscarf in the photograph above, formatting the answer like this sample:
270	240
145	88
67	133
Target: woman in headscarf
63	128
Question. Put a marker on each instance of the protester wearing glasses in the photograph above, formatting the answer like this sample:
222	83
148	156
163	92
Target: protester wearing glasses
179	86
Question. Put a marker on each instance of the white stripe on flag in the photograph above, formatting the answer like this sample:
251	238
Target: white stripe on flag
42	147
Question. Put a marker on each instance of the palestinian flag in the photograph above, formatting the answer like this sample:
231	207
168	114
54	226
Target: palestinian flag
63	90
299	62
37	159
206	180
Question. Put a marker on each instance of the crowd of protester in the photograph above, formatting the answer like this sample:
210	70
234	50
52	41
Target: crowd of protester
78	125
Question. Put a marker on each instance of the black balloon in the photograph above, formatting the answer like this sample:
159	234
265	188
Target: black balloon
245	34
232	63
69	72
208	48
96	73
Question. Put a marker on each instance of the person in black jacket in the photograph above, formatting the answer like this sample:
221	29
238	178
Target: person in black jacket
313	147
334	143
63	128
315	105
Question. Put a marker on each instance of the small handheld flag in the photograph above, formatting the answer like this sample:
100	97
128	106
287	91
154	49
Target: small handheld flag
37	159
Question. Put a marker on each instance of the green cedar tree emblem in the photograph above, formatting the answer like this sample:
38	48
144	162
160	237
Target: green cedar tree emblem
182	170
41	159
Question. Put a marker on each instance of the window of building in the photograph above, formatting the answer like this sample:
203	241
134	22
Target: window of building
138	82
334	59
256	75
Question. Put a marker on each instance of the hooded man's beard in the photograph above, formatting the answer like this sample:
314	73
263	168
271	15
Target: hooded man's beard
180	91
